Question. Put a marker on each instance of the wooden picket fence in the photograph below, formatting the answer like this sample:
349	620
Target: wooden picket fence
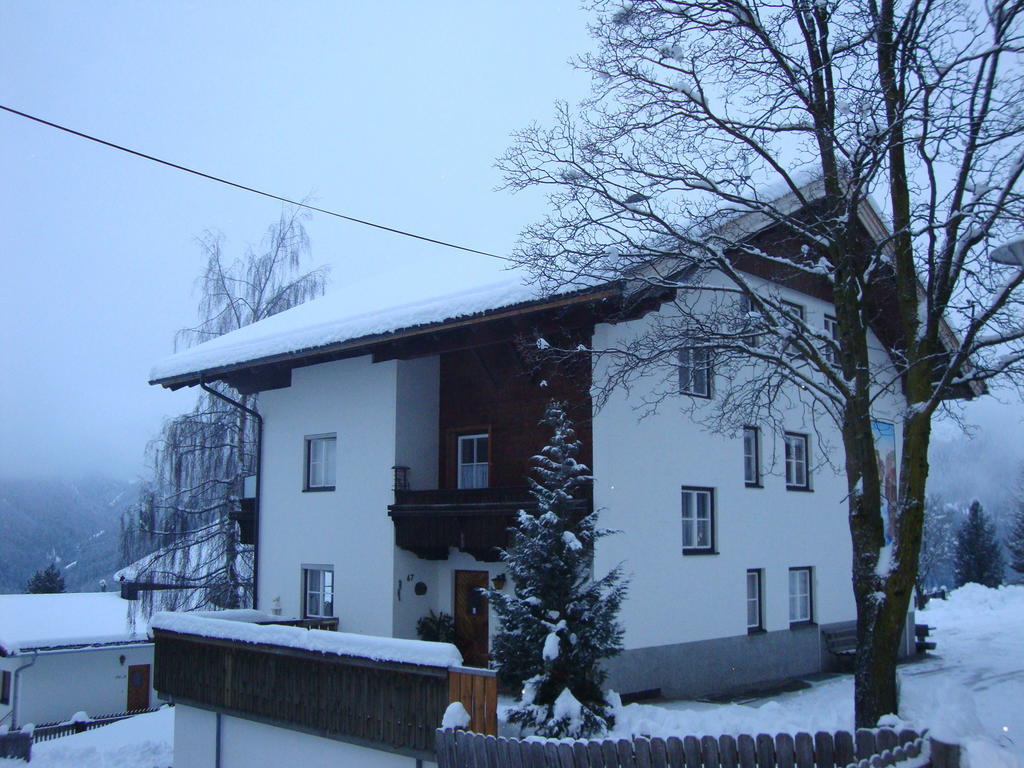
863	749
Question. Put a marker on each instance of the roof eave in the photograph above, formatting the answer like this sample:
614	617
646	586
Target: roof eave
350	346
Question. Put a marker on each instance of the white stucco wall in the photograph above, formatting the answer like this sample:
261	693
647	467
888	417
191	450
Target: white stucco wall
347	528
640	466
244	744
60	683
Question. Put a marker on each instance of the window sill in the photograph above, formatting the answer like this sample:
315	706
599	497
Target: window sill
688	552
799	488
695	394
810	623
753	485
323	489
757	631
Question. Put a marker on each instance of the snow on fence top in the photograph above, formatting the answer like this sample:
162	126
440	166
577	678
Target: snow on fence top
66	619
391	649
335	319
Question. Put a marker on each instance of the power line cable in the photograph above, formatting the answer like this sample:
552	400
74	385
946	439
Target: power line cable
211	177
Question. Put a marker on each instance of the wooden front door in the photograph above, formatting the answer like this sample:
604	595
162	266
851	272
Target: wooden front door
471	617
138	687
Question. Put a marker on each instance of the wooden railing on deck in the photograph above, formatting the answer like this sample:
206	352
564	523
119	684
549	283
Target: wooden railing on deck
383	705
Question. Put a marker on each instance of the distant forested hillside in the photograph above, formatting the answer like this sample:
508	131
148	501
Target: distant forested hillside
76	521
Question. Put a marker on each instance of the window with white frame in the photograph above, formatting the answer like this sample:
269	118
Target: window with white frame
755	612
321	462
832	331
695	371
752	457
800	602
473	461
318	592
797	313
750	319
797	469
698	520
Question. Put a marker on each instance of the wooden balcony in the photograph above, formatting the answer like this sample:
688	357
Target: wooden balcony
474	520
382	705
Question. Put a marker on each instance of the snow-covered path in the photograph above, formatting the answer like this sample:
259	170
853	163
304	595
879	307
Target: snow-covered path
970	691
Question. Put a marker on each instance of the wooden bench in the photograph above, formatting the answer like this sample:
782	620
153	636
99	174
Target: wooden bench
921	632
842	643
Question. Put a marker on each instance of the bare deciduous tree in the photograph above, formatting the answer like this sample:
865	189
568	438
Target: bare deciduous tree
181	533
727	137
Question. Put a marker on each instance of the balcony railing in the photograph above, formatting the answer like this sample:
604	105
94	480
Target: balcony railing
475	520
382	705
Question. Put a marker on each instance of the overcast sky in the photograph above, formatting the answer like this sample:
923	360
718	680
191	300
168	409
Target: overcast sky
391	112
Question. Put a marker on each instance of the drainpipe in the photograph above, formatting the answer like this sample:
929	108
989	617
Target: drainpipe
259	473
16	689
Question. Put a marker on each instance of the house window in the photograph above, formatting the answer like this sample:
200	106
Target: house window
800	602
5	687
797	474
698	521
832	331
750	319
755	615
794	325
695	371
473	461
752	457
318	592
321	461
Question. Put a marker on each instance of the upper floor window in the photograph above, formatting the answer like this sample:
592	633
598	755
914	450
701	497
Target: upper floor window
695	371
755	614
321	462
318	595
750	319
797	471
473	461
752	457
832	331
698	520
800	599
797	315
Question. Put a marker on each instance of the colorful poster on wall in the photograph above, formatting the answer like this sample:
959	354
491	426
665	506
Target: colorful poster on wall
885	450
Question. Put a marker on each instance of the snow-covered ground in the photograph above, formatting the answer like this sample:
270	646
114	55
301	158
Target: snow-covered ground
971	691
143	741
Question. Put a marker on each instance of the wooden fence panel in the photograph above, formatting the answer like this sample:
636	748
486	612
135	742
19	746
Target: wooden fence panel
727	752
463	749
844	752
785	751
709	747
803	748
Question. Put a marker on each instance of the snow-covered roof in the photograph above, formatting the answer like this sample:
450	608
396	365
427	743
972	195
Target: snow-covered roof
390	649
66	619
331	321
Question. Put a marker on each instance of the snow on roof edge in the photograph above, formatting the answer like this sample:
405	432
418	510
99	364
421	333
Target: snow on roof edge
275	336
383	649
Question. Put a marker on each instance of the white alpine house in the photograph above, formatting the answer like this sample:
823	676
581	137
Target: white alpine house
396	445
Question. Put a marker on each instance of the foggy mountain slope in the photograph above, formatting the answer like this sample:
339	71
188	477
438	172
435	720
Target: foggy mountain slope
78	521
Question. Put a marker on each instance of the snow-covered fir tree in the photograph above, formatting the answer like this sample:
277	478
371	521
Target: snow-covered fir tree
1015	539
559	622
978	558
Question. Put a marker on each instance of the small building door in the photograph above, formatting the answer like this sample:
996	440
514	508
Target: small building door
138	687
471	617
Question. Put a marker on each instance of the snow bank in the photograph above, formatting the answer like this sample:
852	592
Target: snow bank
75	618
137	742
339	643
330	320
455	716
